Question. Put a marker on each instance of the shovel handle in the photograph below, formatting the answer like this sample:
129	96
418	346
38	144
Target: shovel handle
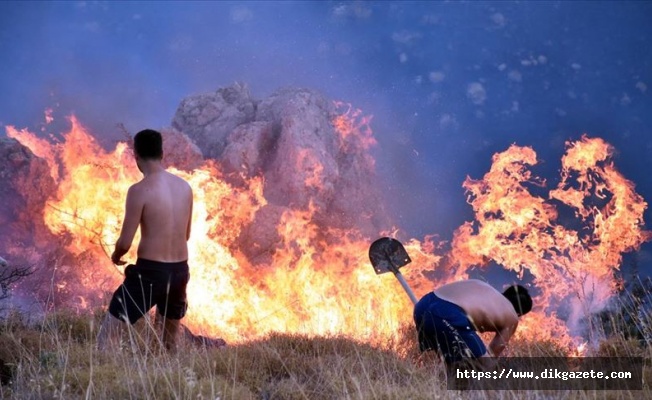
400	278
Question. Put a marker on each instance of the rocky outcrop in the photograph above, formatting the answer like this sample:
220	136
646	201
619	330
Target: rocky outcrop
209	118
289	139
179	151
25	185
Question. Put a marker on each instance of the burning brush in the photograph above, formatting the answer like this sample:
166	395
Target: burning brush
281	219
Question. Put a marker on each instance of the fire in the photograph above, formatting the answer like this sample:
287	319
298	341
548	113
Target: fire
318	279
570	242
353	126
580	351
309	163
311	285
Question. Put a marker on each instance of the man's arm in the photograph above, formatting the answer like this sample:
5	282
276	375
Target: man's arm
189	217
133	214
503	336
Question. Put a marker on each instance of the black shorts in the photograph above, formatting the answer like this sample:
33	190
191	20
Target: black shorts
150	283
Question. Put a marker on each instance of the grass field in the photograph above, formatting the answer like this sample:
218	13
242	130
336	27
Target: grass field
56	359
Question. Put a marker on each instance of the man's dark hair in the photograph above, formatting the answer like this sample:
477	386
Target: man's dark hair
148	144
520	299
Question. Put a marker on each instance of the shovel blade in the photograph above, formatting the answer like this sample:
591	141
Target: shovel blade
388	255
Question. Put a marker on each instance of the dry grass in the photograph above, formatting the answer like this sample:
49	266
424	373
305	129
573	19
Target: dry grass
56	358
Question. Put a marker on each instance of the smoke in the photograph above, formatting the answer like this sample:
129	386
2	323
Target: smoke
288	191
113	64
448	84
310	151
288	180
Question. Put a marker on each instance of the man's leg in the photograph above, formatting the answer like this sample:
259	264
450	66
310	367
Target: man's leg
173	307
170	334
131	301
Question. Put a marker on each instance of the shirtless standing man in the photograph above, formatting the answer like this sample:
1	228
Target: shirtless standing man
161	204
448	319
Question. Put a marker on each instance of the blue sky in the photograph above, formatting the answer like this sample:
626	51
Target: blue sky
449	83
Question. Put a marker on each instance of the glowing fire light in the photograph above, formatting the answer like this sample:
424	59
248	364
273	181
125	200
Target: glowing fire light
310	287
572	268
580	350
317	287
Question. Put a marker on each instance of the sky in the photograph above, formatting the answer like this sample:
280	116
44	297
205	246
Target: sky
448	83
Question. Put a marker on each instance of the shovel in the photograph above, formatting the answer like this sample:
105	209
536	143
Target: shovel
387	254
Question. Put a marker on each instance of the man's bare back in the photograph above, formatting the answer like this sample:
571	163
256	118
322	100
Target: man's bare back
161	203
165	224
487	308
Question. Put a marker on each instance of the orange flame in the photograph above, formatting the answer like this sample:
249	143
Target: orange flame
573	268
309	287
353	127
318	286
580	350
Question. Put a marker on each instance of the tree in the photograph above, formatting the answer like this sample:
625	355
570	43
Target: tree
10	275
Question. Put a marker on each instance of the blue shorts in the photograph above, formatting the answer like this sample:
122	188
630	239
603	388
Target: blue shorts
151	283
444	326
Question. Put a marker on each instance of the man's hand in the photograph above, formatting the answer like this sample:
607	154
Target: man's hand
116	258
499	342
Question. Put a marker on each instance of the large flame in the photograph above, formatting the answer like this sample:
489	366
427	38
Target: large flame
569	242
310	286
571	257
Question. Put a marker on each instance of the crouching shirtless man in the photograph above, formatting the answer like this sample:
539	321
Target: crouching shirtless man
161	204
449	318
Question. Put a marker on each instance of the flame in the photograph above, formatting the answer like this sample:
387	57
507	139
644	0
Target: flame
581	349
353	127
309	163
311	285
40	147
570	242
318	279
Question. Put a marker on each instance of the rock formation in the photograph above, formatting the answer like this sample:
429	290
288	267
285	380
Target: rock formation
289	139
